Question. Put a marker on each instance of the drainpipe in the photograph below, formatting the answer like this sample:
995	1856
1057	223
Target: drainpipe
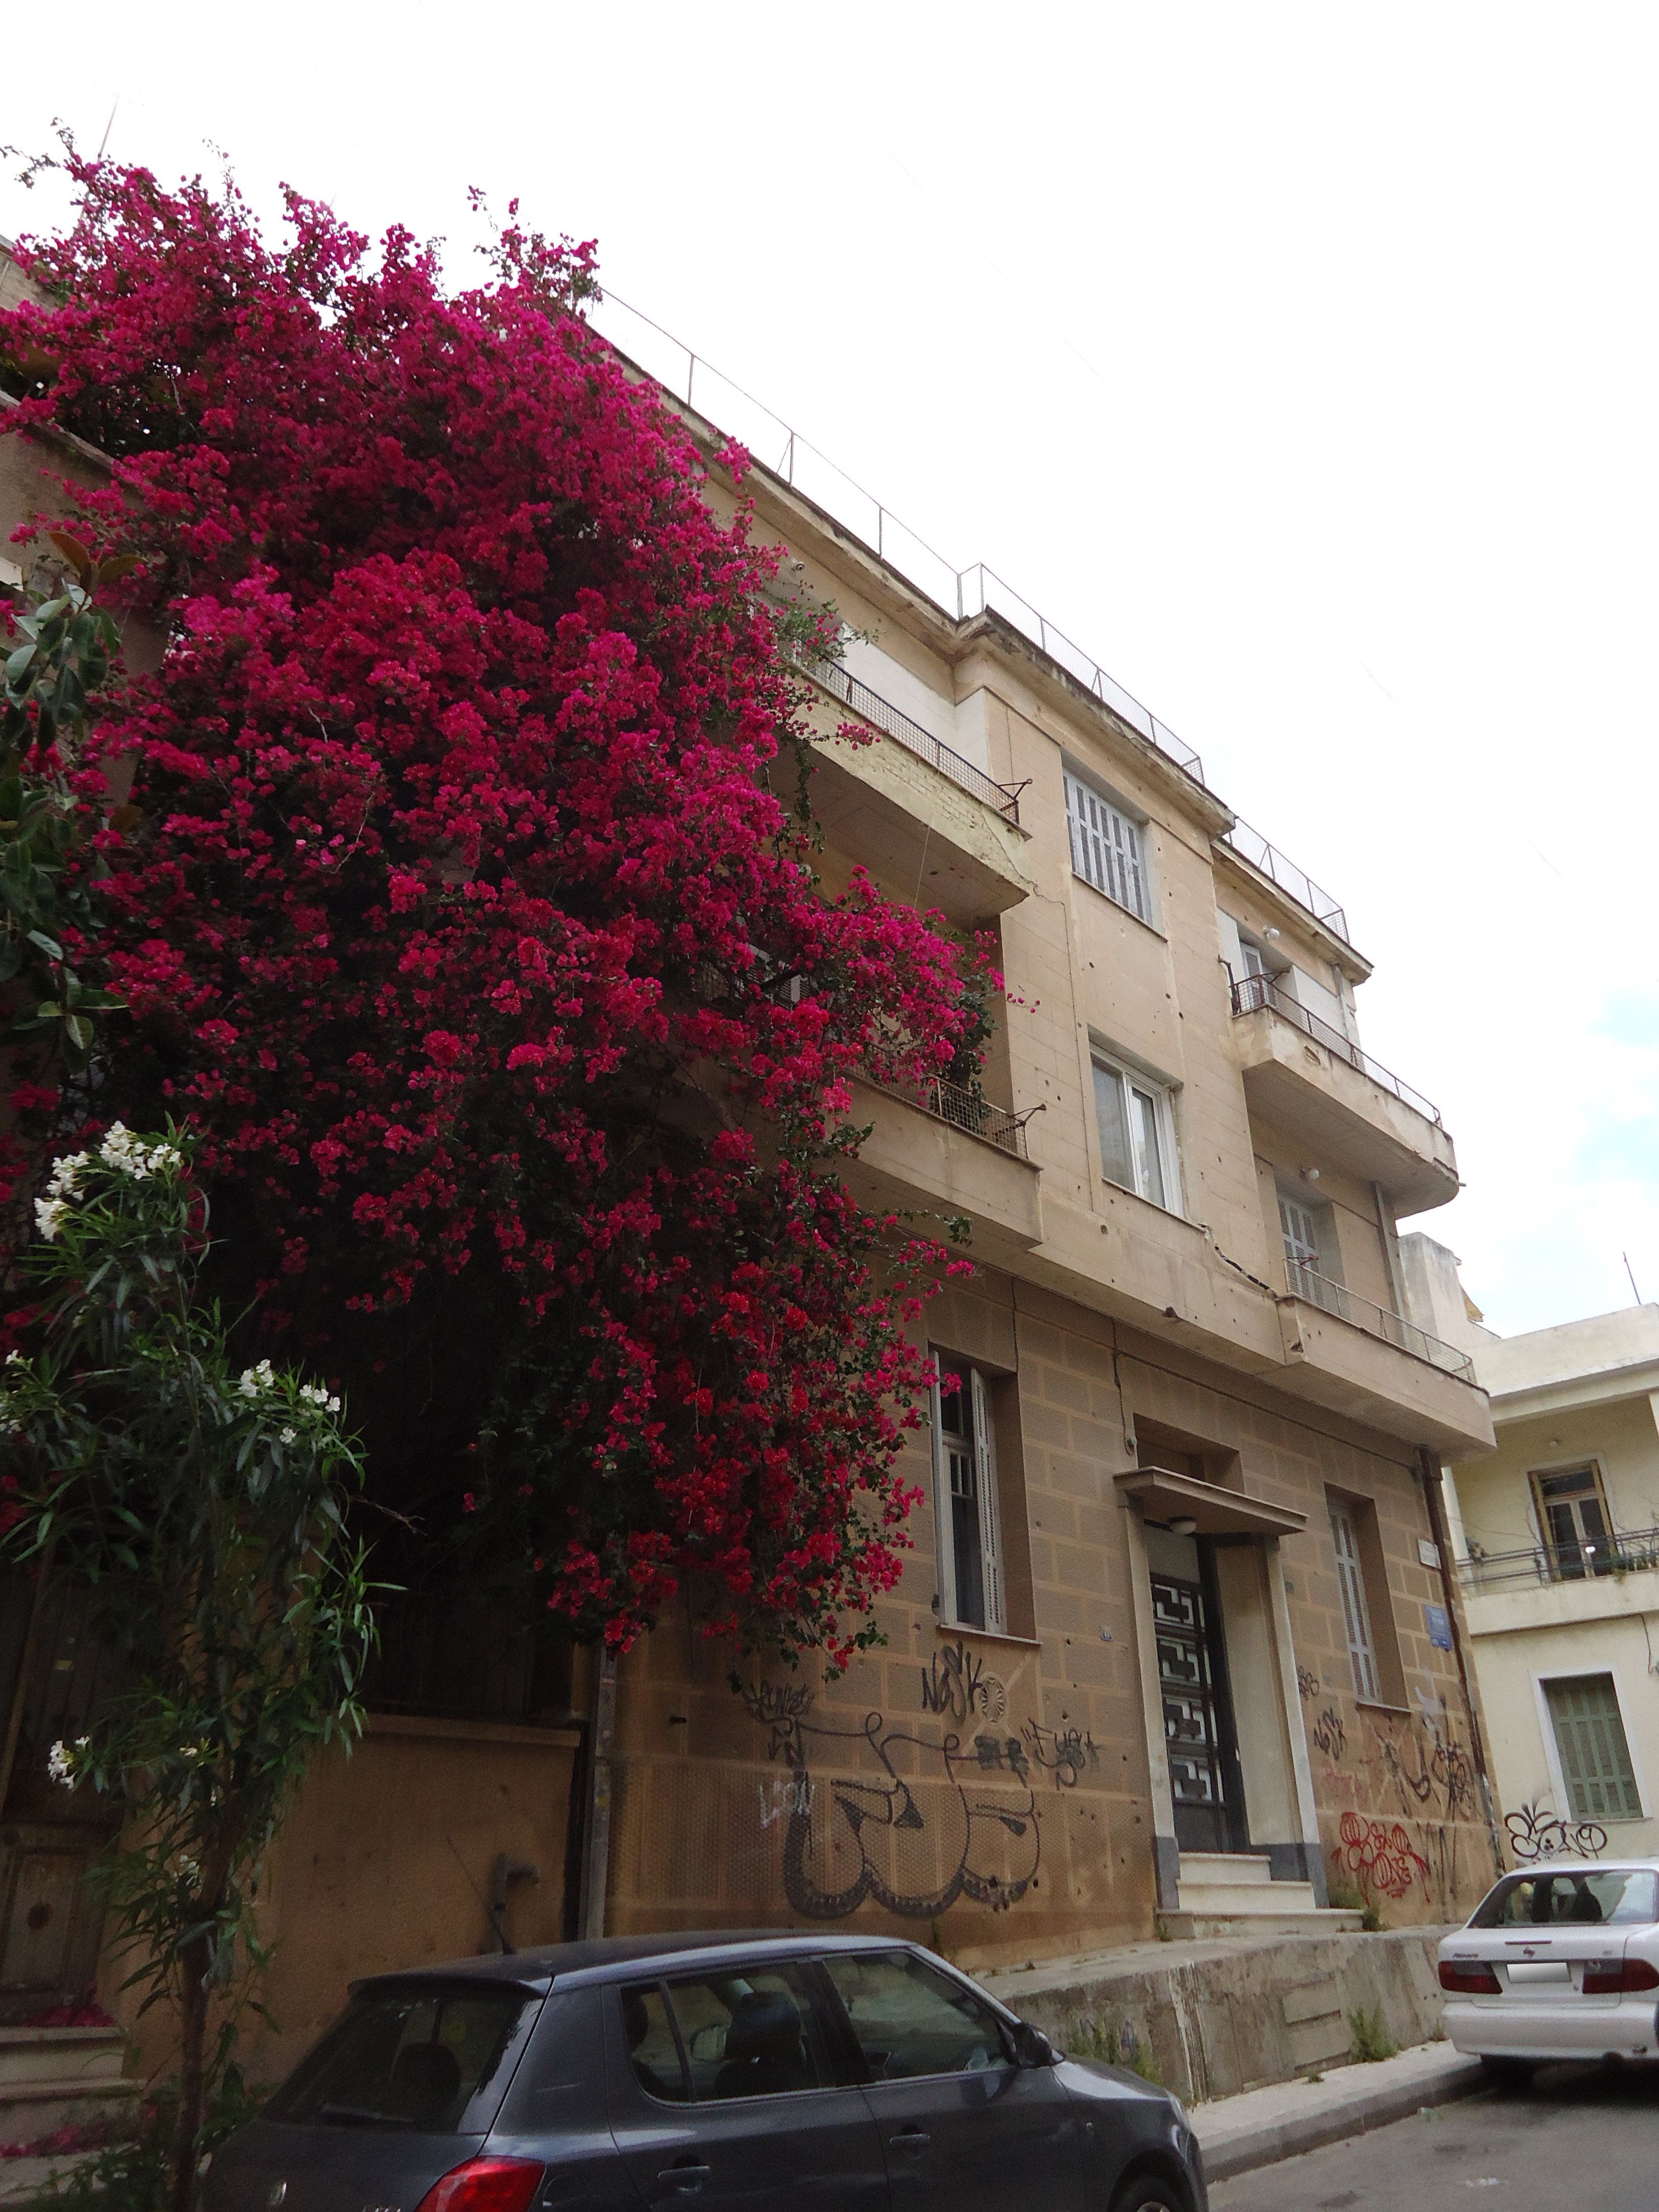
1435	1498
596	1855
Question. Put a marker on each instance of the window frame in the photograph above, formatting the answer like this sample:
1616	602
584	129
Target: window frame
1558	1773
1356	1604
1130	1079
993	1565
1552	1549
1005	2023
1118	837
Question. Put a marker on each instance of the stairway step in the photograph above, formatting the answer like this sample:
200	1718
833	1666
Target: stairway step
1185	1927
1226	1866
1248	1897
23	2179
60	2054
34	2109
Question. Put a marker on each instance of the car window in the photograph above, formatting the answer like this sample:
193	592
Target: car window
757	2034
652	2049
433	2060
1597	1897
910	2019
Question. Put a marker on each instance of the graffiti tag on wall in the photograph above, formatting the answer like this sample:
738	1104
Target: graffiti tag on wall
906	1816
1379	1855
1535	1834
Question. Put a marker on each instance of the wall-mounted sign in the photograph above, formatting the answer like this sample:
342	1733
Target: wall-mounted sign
1438	1622
1427	1553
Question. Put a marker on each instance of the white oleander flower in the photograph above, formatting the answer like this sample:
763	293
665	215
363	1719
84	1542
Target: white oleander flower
288	1435
65	1174
60	1760
48	1215
254	1381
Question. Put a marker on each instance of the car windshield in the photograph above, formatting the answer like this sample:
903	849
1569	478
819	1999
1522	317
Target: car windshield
1593	1897
428	2060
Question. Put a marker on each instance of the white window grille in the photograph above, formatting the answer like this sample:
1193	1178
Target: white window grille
1136	1134
1351	1576
972	1589
1106	850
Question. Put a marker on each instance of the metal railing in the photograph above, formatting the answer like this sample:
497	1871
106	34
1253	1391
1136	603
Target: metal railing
972	590
963	1110
1627	1552
1376	1321
870	707
1251	993
1294	882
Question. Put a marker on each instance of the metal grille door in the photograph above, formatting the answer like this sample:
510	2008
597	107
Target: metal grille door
1187	1675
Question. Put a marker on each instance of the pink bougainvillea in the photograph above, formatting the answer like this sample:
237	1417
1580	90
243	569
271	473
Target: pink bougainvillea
465	913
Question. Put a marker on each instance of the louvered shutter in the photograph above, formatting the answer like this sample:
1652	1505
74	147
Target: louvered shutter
990	1520
1589	1738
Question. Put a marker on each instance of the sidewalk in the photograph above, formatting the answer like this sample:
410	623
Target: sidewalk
1263	2125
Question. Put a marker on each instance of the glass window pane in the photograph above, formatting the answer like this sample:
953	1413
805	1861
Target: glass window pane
756	2033
1350	1580
910	2020
1115	1162
651	2046
1149	1167
1596	1898
407	2058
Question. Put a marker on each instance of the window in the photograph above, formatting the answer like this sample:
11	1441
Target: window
965	1500
1106	848
757	2032
1574	1522
1590	1741
1136	1134
1356	1613
1617	1898
432	2059
1307	1273
911	2020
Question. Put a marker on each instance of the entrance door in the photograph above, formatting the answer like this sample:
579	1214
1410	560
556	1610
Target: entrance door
1204	1777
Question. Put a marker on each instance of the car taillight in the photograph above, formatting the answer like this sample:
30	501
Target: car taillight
1470	1977
1615	1981
485	2185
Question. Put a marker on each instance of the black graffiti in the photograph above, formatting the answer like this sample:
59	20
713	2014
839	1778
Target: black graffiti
986	1849
1063	1752
1430	1770
1535	1834
1329	1733
951	1684
1307	1683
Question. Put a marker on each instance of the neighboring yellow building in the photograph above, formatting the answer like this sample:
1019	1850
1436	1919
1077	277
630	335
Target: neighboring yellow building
1557	1536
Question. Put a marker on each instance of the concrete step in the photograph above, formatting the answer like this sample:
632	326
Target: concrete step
23	2179
60	2054
1223	1898
1190	1927
1231	1867
32	2109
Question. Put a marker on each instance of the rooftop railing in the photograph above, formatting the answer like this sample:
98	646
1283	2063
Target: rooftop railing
1627	1552
964	1110
1376	1321
870	707
1250	992
962	591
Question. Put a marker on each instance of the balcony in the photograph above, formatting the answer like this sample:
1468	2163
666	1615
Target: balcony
935	831
1359	1358
1308	1080
945	1150
1561	1585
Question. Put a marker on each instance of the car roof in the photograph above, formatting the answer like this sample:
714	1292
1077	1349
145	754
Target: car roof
604	1958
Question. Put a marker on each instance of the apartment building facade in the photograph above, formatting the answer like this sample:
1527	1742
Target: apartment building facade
1556	1539
1176	1646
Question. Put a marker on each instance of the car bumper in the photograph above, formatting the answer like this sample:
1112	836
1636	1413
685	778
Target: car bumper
1626	2027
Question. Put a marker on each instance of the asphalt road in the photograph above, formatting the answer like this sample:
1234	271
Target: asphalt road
1583	2137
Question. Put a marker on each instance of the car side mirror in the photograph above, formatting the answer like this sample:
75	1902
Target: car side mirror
1032	2047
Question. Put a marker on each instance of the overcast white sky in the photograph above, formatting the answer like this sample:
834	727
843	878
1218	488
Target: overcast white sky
1298	362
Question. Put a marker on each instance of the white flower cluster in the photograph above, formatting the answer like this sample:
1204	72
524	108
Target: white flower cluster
254	1382
315	1394
60	1760
120	1150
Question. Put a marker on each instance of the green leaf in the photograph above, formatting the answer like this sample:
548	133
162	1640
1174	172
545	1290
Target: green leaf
49	945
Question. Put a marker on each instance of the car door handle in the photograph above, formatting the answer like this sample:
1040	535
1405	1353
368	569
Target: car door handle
687	2177
910	2139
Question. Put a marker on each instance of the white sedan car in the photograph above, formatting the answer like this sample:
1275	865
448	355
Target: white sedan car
1559	1961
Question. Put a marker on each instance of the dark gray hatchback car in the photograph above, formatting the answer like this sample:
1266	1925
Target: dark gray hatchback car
804	2073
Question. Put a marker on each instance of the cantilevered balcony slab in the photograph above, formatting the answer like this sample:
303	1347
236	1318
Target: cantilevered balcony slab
1304	1079
923	835
915	1160
1353	1370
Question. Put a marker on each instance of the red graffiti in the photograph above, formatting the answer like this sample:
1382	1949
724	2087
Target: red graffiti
1381	1857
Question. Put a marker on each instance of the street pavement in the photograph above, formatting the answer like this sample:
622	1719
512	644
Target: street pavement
1580	2135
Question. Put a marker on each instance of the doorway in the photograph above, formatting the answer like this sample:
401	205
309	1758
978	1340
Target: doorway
1206	1774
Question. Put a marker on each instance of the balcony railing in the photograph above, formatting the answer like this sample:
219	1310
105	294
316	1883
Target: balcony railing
964	1110
1376	1321
1253	991
1627	1552
870	707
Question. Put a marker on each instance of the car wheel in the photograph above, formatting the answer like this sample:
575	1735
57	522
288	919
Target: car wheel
1149	2192
1506	2073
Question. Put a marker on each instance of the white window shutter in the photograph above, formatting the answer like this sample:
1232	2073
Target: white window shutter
990	1520
942	1528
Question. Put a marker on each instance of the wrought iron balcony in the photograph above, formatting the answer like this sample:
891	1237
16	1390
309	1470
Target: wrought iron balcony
1627	1552
964	1110
1337	1298
870	707
1250	992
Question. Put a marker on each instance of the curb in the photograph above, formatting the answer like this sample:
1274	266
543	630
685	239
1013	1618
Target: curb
1276	2139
